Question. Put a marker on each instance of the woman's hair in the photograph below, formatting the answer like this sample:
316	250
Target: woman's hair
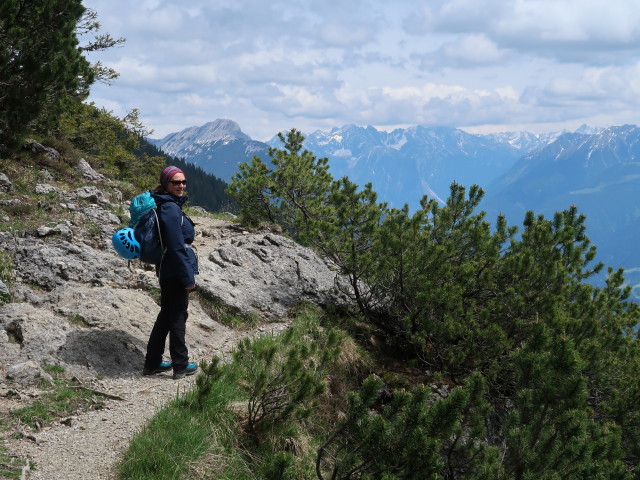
167	174
161	190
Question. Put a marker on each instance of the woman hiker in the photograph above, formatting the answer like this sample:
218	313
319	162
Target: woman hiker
176	272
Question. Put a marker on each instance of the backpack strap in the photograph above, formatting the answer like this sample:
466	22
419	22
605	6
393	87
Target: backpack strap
155	212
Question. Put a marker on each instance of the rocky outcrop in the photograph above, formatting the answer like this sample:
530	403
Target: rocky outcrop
265	274
74	302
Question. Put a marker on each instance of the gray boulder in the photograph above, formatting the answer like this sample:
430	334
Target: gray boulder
267	274
90	194
50	153
88	172
5	184
44	188
57	261
27	373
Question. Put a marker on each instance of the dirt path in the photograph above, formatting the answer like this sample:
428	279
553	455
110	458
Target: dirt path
88	446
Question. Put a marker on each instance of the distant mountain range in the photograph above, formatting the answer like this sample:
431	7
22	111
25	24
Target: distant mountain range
596	169
599	173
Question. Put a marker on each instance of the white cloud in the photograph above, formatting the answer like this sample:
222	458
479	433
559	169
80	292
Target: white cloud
314	64
466	51
590	32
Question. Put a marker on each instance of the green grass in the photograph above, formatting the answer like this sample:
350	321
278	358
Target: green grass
54	369
155	294
78	320
6	273
179	436
224	314
62	398
10	467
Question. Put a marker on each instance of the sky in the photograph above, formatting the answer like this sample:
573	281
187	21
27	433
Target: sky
480	65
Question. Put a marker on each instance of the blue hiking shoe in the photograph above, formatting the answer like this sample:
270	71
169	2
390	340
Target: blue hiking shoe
163	367
190	369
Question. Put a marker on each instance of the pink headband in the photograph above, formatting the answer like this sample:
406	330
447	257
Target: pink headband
167	174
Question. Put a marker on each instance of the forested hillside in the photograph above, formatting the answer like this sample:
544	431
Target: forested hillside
205	190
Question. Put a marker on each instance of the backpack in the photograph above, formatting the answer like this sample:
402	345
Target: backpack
146	228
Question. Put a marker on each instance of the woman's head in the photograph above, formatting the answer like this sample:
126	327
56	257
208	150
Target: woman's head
173	181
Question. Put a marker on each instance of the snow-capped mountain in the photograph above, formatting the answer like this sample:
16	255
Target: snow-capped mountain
524	141
599	173
405	164
217	147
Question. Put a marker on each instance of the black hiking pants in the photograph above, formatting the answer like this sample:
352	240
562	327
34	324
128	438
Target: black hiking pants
172	319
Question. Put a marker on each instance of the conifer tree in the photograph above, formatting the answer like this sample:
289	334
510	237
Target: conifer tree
410	436
41	63
252	188
285	377
549	433
302	182
292	194
345	232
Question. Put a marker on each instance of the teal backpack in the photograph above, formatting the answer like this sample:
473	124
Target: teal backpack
139	205
146	227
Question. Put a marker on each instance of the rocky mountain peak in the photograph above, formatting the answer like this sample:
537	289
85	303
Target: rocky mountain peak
219	131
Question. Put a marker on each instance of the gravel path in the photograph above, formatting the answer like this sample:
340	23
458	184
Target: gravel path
88	446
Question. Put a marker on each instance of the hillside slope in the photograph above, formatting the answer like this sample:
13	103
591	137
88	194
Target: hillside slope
73	303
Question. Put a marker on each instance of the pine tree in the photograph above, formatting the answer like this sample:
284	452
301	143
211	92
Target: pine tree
550	433
345	232
41	64
253	189
285	376
292	193
301	181
409	437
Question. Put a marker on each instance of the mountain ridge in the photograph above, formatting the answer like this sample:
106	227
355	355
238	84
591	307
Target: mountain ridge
430	157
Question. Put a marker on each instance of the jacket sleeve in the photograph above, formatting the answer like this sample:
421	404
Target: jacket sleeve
176	261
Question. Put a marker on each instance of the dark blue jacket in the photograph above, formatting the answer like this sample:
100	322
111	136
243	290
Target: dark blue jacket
177	232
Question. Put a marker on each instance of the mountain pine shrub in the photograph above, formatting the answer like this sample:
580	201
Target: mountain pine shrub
409	435
283	377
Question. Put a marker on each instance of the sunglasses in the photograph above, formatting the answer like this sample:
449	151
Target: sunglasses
178	182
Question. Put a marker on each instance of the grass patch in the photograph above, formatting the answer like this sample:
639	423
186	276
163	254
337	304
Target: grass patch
154	454
63	398
181	435
155	293
54	369
6	274
78	320
10	467
224	314
28	214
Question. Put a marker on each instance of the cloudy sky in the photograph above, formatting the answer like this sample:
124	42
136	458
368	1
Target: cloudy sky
272	65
